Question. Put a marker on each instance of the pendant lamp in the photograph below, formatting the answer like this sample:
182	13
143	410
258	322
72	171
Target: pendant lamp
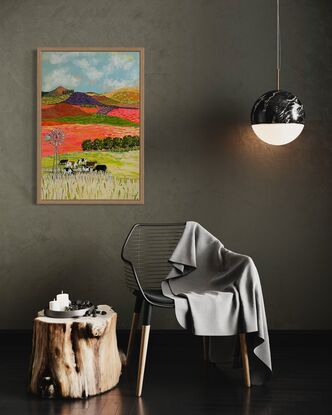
277	116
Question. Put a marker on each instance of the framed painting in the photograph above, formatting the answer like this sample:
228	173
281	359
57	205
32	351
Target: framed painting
90	144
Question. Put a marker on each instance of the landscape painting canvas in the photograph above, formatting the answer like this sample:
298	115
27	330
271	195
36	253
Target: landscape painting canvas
90	126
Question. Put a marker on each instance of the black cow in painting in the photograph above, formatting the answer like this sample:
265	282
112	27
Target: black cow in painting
62	162
100	167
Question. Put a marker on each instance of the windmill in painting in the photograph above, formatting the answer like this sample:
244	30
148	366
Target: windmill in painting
90	132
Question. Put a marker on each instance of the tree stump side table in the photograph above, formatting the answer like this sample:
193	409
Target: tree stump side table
74	357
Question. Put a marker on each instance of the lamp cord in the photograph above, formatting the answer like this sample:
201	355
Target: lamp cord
278	46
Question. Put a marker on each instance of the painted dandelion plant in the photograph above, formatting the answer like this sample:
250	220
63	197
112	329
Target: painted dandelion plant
90	132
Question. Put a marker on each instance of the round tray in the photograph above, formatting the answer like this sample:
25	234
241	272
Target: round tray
66	314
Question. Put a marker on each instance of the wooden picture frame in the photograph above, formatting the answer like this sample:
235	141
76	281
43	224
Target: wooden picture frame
56	123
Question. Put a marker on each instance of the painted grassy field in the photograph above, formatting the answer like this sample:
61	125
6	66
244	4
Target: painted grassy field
97	119
120	165
91	186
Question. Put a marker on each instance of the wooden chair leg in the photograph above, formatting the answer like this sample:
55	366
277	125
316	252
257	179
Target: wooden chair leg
205	348
134	325
245	359
144	347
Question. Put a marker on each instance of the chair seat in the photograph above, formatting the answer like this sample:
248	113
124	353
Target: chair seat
156	296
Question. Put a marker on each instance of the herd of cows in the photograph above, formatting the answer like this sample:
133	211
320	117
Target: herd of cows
82	165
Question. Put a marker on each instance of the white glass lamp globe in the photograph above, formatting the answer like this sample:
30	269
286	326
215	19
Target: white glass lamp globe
277	134
277	117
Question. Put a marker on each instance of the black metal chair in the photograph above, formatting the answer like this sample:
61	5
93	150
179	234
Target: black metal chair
145	253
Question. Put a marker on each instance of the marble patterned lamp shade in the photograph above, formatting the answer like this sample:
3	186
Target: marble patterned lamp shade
277	117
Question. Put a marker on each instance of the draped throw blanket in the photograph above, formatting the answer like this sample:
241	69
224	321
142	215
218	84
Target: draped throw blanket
218	293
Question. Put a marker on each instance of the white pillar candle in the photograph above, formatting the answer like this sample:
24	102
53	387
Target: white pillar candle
55	306
63	299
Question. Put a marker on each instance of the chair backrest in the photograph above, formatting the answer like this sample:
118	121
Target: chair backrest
147	249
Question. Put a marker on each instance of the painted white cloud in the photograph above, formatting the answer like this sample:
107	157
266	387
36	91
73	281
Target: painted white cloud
90	71
60	76
120	61
56	58
124	63
74	70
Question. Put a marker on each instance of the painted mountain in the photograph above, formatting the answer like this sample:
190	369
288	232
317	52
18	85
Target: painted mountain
57	92
80	98
90	132
123	97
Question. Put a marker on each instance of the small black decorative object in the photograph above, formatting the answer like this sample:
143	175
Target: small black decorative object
277	116
78	308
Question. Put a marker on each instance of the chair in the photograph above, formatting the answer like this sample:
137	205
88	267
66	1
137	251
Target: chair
145	253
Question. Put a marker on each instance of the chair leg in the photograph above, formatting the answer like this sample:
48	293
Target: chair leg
206	348
245	359
144	347
134	325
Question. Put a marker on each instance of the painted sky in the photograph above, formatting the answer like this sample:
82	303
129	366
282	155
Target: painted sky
90	71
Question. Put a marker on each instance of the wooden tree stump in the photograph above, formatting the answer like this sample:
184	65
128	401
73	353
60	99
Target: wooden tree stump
74	357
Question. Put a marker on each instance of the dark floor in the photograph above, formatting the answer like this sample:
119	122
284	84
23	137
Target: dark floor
178	382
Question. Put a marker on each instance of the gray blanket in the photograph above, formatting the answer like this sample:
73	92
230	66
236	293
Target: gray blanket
217	292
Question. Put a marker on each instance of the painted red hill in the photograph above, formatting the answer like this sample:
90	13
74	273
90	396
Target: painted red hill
61	110
102	99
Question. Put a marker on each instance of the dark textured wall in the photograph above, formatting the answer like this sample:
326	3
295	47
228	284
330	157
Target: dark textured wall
206	63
